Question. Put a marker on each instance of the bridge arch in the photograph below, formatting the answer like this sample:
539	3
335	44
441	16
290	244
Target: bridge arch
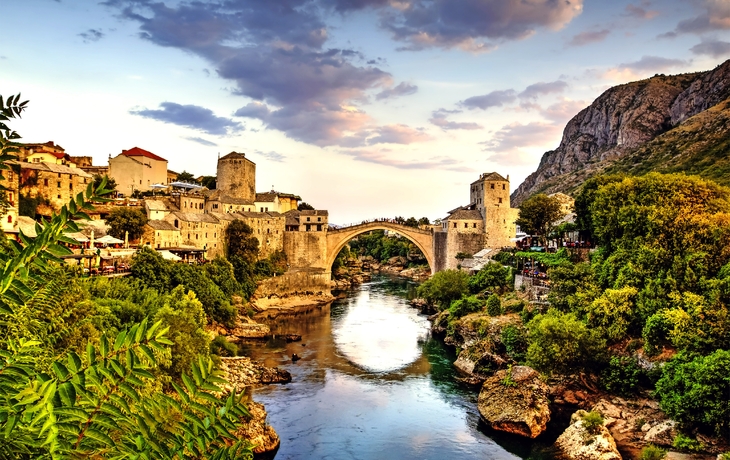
337	239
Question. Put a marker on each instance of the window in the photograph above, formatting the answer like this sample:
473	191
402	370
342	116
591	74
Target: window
70	185
140	182
59	175
492	185
58	183
504	187
319	219
45	182
474	225
10	175
196	236
454	224
59	196
206	234
500	200
11	198
307	219
466	225
10	219
176	223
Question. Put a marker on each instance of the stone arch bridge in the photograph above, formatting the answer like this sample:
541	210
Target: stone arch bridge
338	238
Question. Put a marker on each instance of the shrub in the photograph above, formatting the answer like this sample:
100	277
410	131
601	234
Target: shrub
444	287
195	278
514	341
464	306
492	276
222	347
494	305
684	442
150	268
561	343
621	376
652	452
694	391
592	421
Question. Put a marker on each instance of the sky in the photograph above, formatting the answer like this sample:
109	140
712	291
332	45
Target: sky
367	108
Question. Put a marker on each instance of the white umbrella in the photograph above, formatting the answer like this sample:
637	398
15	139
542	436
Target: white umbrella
167	255
108	239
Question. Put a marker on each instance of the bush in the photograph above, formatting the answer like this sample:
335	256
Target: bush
685	443
491	276
655	333
592	422
464	306
621	376
222	347
220	271
652	452
150	268
514	341
195	278
444	287
694	391
494	305
561	343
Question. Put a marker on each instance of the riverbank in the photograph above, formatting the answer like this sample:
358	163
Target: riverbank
360	270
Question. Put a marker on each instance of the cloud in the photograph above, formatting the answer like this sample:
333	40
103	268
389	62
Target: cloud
516	136
585	38
403	89
397	134
202	141
561	112
542	88
472	25
493	99
92	35
271	155
643	67
385	158
715	17
273	53
639	12
191	116
439	118
712	47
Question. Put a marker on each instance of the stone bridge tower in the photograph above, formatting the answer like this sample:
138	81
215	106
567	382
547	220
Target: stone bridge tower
490	196
237	176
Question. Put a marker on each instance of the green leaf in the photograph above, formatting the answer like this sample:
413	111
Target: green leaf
67	392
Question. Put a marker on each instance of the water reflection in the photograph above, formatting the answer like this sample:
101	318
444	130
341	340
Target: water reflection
370	385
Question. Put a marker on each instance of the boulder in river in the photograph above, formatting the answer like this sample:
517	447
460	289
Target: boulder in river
515	400
577	443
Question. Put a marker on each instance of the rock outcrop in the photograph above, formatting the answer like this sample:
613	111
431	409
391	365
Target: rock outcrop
241	371
257	431
515	401
577	443
620	121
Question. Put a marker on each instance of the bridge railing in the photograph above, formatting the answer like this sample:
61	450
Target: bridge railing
373	221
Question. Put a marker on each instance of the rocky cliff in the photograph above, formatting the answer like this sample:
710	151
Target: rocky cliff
626	119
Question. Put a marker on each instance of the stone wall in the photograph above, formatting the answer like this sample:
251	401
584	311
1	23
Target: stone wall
306	250
456	242
439	251
500	226
296	282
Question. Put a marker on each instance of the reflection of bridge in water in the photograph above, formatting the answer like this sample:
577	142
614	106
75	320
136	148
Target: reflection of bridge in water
338	238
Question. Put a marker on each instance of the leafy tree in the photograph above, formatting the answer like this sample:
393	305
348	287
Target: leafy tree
573	287
186	177
210	182
621	376
195	278
149	267
584	202
613	312
424	221
561	343
411	222
492	276
444	287
694	391
494	305
464	306
539	214
124	219
241	242
304	206
111	184
220	271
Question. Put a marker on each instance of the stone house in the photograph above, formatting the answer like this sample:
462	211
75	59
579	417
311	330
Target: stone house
274	201
137	169
156	209
160	234
218	202
307	220
25	150
54	182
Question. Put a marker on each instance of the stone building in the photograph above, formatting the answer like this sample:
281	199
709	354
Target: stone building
217	201
307	220
464	228
160	234
25	150
490	196
236	176
54	182
11	180
157	209
276	202
137	169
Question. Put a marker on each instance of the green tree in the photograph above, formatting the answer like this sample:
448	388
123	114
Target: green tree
411	222
492	276
561	343
124	219
584	202
464	306
241	242
304	206
444	287
424	221
210	182
494	305
149	267
111	184
186	177
539	214
694	391
195	278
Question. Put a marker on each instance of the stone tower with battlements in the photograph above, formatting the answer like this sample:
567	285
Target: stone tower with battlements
490	196
237	176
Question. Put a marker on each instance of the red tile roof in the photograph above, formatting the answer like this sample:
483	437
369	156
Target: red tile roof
138	152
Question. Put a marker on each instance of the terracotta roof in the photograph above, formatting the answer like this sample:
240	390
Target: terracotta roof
138	152
161	225
463	214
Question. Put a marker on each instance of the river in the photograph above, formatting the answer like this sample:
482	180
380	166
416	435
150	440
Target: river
372	384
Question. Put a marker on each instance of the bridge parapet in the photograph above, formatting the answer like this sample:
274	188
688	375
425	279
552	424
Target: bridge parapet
387	224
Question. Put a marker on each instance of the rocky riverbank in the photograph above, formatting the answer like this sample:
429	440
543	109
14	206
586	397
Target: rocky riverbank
360	270
515	399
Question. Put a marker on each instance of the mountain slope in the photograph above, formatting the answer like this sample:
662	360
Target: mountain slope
672	123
